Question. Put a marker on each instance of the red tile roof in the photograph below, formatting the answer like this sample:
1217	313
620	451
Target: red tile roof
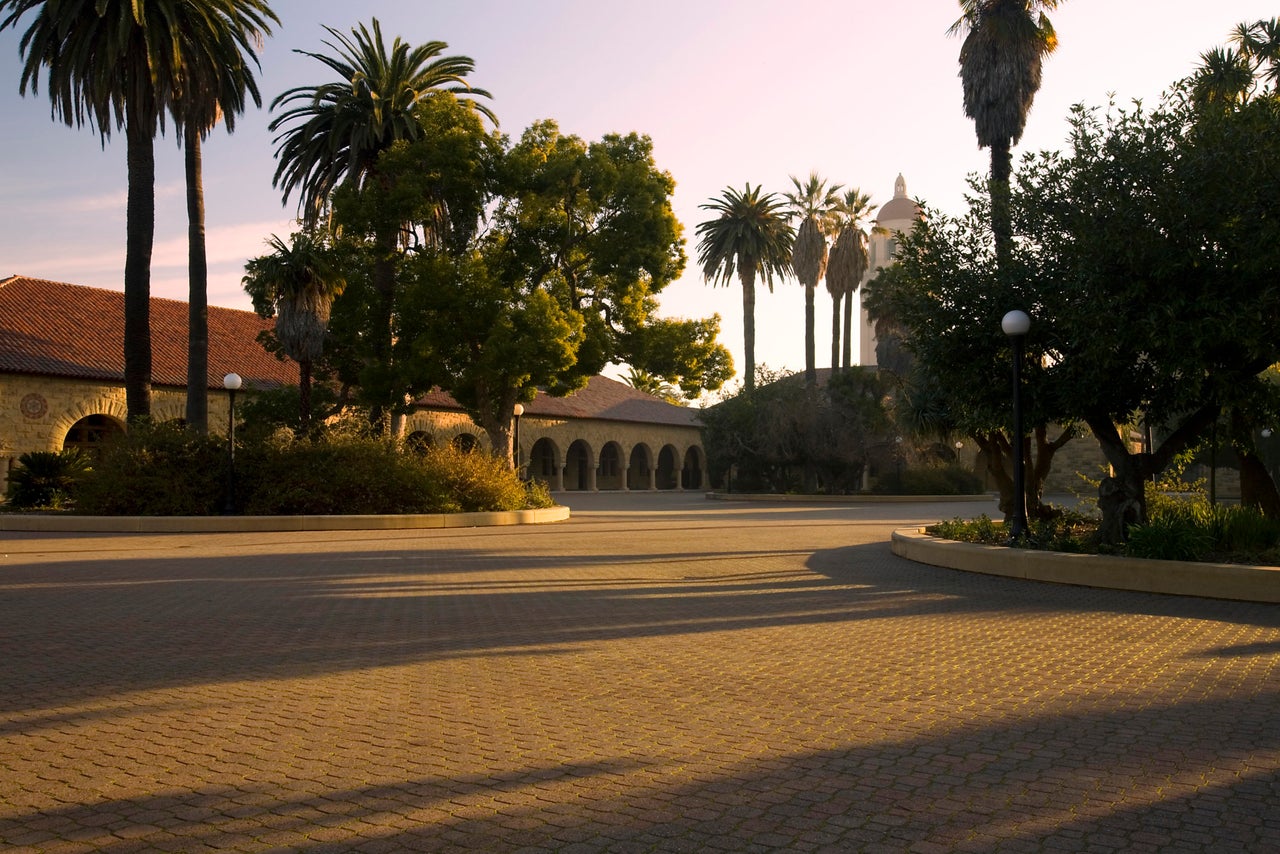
56	329
602	399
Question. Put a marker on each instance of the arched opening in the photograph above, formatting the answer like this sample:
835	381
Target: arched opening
90	433
419	441
668	473
639	469
578	470
544	463
465	442
691	474
610	476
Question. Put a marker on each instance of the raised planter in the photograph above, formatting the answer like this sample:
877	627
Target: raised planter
1178	578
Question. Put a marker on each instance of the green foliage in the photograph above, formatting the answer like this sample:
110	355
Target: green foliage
1170	537
167	471
353	474
46	479
946	479
784	436
156	470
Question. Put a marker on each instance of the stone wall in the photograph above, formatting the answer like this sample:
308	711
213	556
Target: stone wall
36	414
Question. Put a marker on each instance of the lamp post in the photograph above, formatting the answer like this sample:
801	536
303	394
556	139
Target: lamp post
1016	324
231	382
518	411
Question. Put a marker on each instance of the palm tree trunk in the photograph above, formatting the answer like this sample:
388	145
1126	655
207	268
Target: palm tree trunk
140	226
810	347
835	333
1001	218
384	283
748	276
304	396
847	361
198	291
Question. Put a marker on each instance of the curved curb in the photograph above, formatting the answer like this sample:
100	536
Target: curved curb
1176	578
861	498
233	524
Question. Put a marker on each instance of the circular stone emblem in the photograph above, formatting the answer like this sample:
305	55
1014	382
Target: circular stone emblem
34	406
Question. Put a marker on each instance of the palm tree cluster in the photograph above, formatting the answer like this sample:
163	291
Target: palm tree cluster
124	65
1231	75
752	236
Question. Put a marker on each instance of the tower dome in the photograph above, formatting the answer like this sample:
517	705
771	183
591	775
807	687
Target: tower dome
901	208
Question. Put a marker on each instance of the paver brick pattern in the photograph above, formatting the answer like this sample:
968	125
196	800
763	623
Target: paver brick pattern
683	677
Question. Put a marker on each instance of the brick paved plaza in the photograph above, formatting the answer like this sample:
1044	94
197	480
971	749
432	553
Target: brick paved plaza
661	673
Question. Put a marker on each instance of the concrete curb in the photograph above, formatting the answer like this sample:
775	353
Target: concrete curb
1209	580
231	524
845	499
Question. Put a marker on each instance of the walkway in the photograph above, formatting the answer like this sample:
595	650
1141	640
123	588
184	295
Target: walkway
661	673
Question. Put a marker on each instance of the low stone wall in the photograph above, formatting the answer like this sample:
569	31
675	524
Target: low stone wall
1209	580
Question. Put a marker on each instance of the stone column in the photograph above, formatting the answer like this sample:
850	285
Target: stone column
557	484
626	478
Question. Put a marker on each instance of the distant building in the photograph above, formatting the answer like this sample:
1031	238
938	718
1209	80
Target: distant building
62	385
899	214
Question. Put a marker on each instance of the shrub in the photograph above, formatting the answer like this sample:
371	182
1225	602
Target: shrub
156	470
353	474
950	479
46	479
1171	536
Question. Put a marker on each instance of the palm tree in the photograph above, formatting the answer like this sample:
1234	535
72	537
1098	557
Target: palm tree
334	133
845	267
1260	42
750	237
297	283
120	64
1001	59
206	97
815	203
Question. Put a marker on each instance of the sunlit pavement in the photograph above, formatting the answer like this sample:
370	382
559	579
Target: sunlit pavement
661	673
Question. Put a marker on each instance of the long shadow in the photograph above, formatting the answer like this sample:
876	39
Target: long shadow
72	634
1197	775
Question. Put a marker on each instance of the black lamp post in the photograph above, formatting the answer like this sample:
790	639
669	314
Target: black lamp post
231	382
1016	324
518	411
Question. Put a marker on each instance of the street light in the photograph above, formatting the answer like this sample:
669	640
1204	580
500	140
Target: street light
518	411
231	382
1016	324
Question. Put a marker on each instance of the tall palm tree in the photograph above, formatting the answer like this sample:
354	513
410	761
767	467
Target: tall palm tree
1260	42
207	96
119	64
750	237
297	283
333	133
814	202
845	267
1001	60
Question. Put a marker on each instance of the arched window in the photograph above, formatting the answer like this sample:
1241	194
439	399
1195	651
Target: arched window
90	433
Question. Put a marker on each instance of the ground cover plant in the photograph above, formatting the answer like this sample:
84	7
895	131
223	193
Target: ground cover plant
1182	525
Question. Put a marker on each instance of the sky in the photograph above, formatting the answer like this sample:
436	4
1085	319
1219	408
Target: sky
730	92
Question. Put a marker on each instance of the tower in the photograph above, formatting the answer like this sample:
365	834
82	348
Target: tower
898	215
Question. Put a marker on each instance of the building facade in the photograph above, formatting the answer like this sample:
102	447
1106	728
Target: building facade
62	385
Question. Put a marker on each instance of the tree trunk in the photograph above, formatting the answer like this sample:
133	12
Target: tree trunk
304	397
1122	496
198	291
748	276
1001	219
847	360
810	346
835	334
1257	488
140	225
381	335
